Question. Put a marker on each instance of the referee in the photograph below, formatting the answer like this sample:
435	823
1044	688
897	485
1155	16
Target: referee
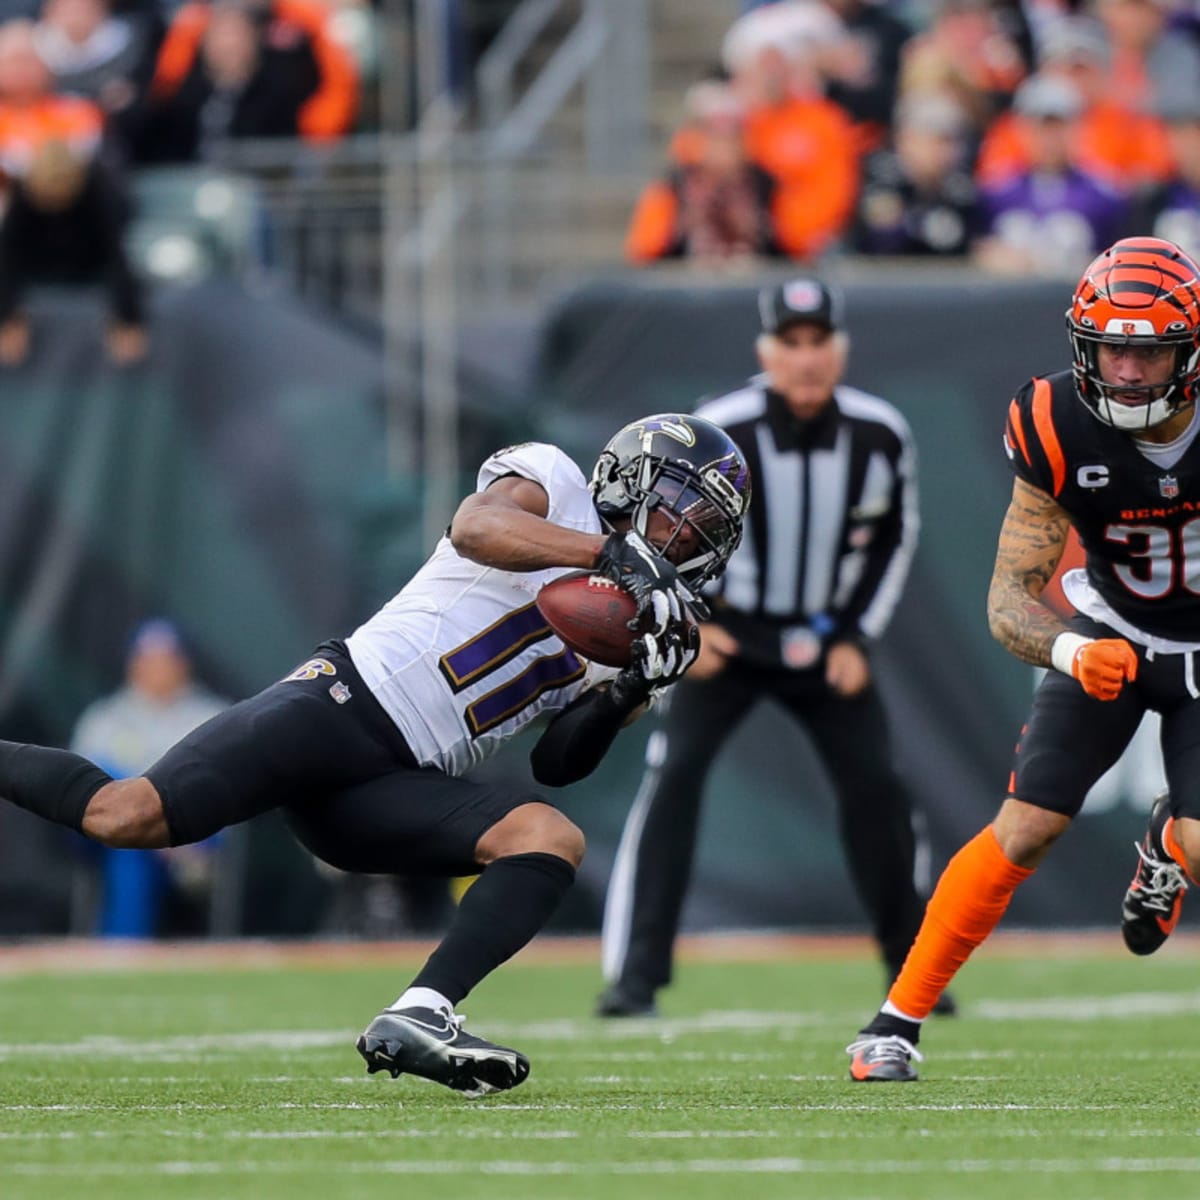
823	560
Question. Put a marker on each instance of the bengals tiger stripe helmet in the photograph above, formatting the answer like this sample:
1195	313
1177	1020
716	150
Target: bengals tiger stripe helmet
1142	291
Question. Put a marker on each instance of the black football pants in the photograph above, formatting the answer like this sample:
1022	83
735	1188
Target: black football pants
653	864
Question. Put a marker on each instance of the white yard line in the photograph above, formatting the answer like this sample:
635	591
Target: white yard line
566	1030
1115	1165
553	1135
195	1047
487	1106
1091	1008
299	1135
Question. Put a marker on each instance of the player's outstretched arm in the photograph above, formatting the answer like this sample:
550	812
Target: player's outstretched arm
506	527
1032	540
579	737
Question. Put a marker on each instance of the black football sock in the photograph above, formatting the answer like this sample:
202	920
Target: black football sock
887	1025
55	784
501	911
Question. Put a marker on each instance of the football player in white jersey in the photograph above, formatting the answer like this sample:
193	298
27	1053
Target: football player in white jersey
364	743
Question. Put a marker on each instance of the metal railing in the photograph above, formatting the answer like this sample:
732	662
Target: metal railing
322	222
410	231
335	219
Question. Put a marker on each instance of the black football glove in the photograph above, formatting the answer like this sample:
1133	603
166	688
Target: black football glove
633	564
659	659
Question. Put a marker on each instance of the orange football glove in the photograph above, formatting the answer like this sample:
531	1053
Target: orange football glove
1103	666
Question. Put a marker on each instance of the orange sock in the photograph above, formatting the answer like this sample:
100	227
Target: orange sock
1173	848
966	906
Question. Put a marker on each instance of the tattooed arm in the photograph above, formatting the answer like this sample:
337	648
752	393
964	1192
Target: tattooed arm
1032	541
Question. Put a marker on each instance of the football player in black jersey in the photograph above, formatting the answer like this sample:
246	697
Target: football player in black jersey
1111	449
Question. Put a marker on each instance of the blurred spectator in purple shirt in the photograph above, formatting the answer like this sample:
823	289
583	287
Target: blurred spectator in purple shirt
1052	218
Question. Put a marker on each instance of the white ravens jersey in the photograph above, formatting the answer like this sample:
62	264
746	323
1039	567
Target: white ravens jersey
461	659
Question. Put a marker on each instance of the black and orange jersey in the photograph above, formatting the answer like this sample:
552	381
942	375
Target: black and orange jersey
1138	523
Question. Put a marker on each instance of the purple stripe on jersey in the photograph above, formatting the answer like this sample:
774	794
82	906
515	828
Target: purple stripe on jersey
551	671
494	646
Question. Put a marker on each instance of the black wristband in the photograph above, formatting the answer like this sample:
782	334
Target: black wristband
628	691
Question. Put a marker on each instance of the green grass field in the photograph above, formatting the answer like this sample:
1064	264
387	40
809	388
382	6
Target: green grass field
1071	1073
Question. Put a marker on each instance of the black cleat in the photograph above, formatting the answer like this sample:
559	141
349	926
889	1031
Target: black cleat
431	1043
882	1058
1155	897
615	1002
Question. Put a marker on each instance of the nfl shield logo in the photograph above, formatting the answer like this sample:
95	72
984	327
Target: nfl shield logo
340	692
1168	485
802	295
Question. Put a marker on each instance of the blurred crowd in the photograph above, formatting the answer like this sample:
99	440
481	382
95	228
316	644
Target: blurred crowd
149	83
1022	135
92	89
91	93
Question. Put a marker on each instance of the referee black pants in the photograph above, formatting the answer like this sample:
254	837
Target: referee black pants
653	864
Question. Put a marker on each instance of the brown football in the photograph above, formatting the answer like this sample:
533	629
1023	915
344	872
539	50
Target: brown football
591	614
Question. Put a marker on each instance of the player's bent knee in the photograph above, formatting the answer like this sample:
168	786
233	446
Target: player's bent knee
1026	831
533	828
127	814
570	845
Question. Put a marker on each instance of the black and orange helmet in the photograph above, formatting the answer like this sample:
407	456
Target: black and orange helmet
1140	291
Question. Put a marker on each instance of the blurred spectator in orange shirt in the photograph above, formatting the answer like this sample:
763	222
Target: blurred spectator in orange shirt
715	208
805	141
248	69
1125	147
30	113
1144	50
66	208
104	57
965	51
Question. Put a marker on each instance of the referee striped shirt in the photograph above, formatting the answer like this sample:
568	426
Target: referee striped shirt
834	521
